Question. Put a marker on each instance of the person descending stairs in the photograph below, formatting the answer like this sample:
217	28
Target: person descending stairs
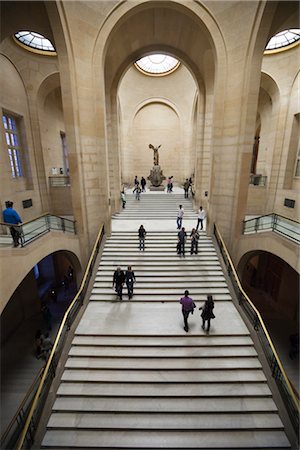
134	378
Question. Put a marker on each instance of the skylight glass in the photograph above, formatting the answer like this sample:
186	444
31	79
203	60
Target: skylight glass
283	39
157	64
35	40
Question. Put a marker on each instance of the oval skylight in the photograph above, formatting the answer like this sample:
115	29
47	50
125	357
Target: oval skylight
283	39
35	41
157	64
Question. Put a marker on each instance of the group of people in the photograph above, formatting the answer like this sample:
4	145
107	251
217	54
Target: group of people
181	241
139	186
188	306
120	278
200	217
182	234
188	185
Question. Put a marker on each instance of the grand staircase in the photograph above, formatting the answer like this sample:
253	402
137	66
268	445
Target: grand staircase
134	379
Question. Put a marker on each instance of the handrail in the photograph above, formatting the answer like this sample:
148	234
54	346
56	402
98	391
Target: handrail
38	226
259	321
20	410
271	214
36	218
50	360
285	226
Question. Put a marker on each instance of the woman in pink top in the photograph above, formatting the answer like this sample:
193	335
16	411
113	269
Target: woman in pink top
187	307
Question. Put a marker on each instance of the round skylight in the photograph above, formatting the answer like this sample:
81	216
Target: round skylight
35	41
157	64
283	39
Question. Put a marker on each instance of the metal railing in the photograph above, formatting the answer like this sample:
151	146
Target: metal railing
278	372
12	433
273	222
34	228
59	180
30	423
258	180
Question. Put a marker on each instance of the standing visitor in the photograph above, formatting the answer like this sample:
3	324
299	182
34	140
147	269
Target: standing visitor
143	184
123	199
207	312
137	190
201	217
118	281
181	241
180	213
187	307
130	280
194	241
11	216
142	234
136	181
186	186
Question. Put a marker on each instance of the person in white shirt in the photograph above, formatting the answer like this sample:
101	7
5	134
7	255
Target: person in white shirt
179	217
201	217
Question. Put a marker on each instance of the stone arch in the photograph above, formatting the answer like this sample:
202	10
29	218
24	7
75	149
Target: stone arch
27	297
144	28
271	283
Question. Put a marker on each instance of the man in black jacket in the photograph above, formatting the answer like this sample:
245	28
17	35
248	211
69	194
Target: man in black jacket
118	281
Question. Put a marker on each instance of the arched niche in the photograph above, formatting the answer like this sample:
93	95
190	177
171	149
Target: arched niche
157	110
52	125
137	30
271	283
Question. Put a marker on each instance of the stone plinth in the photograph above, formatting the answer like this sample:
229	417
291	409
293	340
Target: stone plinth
156	177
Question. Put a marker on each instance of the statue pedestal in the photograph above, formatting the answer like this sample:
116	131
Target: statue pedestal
157	188
156	177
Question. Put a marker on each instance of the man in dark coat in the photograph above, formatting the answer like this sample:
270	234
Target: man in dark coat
118	281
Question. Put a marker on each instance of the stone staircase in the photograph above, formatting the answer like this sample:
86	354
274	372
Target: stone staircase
135	380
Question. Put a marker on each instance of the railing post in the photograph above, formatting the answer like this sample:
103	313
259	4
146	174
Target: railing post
21	236
256	226
48	224
274	221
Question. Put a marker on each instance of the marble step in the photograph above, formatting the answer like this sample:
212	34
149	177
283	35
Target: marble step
147	274
168	260
155	253
187	341
198	297
203	288
170	439
152	236
171	421
170	404
162	390
158	376
163	352
179	264
161	363
156	284
115	245
170	279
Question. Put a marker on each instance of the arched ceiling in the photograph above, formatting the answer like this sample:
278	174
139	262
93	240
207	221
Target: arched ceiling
160	27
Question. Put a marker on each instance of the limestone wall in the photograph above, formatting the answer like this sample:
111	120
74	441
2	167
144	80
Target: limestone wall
157	110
